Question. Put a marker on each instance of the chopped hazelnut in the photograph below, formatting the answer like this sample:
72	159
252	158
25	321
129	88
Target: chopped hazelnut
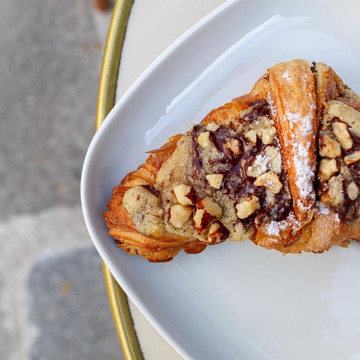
234	146
328	147
239	129
275	159
353	191
270	197
201	220
207	210
342	134
251	136
327	168
179	214
336	191
258	166
217	232
215	180
204	140
269	180
212	126
352	158
185	194
267	135
346	114
248	207
209	205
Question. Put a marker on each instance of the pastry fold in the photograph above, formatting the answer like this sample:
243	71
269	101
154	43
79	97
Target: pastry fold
294	109
128	238
279	166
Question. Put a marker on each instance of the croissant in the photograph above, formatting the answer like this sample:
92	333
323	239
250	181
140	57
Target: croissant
278	166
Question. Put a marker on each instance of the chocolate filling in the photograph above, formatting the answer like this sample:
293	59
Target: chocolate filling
348	210
237	185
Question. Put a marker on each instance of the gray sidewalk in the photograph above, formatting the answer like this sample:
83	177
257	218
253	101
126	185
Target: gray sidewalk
53	303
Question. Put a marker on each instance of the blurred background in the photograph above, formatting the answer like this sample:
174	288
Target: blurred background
53	302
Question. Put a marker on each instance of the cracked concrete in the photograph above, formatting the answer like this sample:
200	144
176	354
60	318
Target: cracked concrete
53	303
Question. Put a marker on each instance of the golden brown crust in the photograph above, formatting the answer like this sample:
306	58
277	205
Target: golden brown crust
122	228
292	94
325	88
230	109
323	232
309	227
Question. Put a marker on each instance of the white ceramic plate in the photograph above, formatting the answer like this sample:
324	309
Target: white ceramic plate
235	300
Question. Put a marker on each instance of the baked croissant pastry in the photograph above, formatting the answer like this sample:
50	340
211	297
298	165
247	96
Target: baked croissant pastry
278	166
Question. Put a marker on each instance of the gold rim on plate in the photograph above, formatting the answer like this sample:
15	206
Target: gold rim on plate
106	100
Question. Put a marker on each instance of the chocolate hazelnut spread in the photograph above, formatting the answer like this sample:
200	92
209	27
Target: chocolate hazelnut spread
237	184
349	172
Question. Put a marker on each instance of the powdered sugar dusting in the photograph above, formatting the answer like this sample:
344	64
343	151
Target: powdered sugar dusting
304	172
296	118
261	163
273	228
302	206
286	75
299	120
321	208
272	104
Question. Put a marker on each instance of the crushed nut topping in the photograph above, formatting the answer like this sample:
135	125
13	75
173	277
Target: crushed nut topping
251	136
212	126
328	147
248	207
179	214
204	140
267	135
215	180
327	168
185	194
269	180
239	160
342	134
352	158
217	232
353	191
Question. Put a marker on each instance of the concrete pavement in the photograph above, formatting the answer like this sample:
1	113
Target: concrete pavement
53	303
